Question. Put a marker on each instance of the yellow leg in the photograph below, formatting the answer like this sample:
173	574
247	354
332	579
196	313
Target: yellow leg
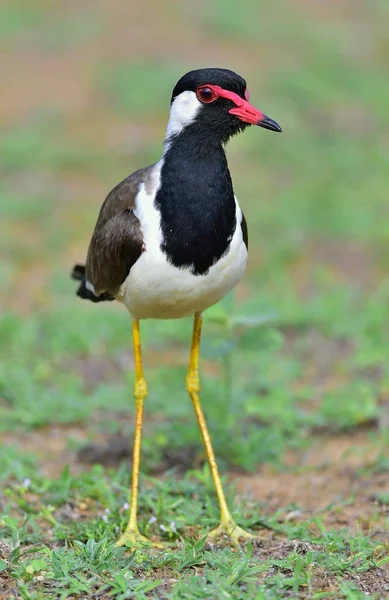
227	525
132	536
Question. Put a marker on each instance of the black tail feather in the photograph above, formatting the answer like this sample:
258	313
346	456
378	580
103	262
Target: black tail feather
79	274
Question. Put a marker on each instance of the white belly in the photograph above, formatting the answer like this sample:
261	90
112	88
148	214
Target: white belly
156	289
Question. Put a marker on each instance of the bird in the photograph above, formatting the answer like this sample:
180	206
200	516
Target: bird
171	240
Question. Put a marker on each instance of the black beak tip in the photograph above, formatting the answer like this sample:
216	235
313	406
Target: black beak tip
268	123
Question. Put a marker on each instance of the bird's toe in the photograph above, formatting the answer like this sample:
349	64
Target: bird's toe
133	539
232	531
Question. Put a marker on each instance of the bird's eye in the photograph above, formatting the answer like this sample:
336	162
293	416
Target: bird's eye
206	94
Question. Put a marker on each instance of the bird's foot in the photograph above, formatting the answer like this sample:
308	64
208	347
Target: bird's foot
132	538
230	529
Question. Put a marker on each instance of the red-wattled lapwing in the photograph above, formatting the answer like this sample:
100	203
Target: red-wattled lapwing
171	240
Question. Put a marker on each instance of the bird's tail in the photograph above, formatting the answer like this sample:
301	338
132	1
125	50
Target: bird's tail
86	289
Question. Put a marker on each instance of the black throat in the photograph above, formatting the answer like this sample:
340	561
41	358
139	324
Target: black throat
196	202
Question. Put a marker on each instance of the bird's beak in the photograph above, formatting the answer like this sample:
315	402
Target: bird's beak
247	113
268	123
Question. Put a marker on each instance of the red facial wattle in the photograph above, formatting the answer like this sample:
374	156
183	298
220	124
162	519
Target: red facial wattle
245	111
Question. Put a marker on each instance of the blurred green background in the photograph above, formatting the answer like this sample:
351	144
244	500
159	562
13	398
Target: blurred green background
299	352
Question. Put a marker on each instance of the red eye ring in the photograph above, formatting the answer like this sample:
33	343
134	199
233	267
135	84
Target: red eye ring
206	94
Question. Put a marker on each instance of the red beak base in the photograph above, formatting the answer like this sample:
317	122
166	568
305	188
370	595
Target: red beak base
245	111
249	114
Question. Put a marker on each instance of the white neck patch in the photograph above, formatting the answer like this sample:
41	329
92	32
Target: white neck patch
183	112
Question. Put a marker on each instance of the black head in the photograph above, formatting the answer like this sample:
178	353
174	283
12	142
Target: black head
222	77
214	103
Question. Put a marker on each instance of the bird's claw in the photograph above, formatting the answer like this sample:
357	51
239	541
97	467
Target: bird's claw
231	530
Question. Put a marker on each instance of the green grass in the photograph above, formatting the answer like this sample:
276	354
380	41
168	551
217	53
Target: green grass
295	369
81	516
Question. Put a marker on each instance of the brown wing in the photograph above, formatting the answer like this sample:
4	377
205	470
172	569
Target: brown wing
117	241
